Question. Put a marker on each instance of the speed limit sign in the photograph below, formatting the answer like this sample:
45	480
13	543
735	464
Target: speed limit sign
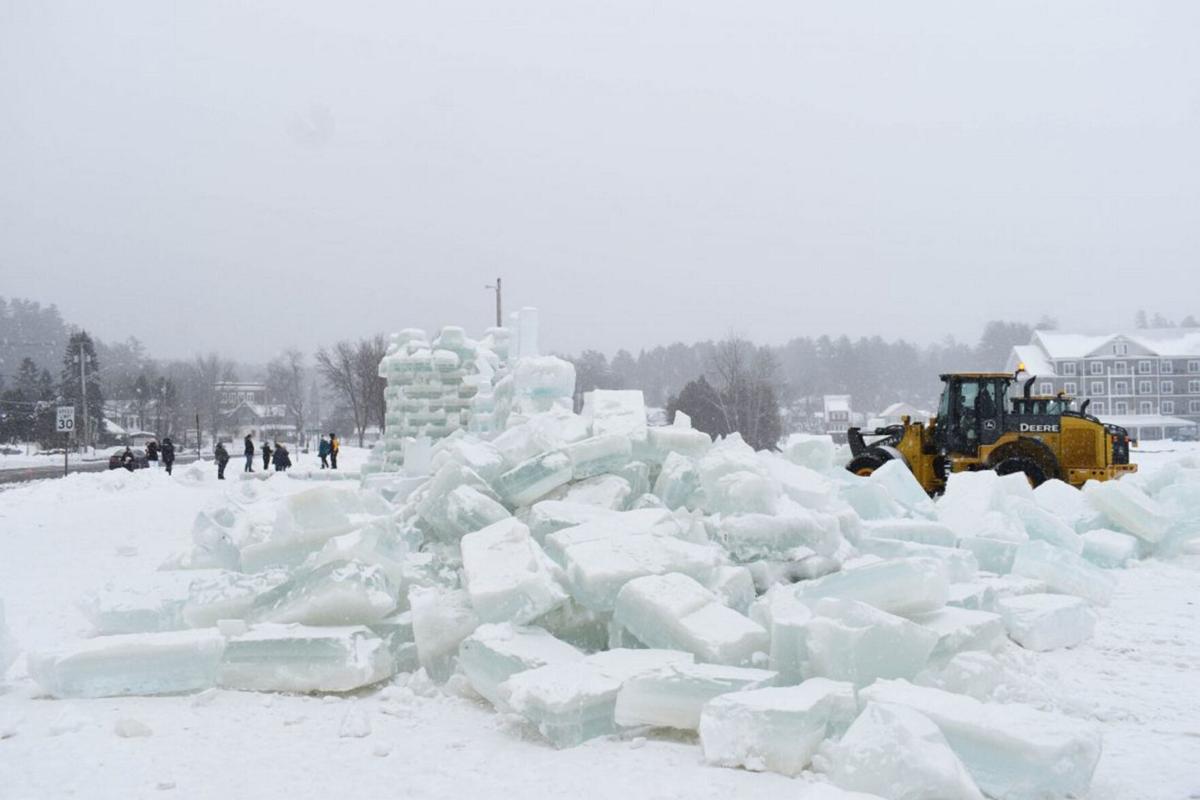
65	420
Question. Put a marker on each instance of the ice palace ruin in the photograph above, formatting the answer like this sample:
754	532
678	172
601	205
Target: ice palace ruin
591	574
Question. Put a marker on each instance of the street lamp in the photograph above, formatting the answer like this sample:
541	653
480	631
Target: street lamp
499	315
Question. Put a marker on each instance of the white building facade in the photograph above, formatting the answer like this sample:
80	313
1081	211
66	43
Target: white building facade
1146	380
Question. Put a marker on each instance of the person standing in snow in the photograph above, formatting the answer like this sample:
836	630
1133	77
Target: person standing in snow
334	446
152	450
248	451
168	454
282	461
222	456
127	459
266	454
323	451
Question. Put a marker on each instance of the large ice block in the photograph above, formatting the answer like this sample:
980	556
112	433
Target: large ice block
1041	524
543	382
1131	509
456	500
896	752
750	537
616	411
226	595
807	450
131	664
1106	548
851	641
396	631
606	491
961	565
597	455
596	570
494	653
441	619
774	729
911	530
534	478
674	612
786	620
478	455
1061	499
678	482
1063	571
735	480
734	586
673	696
314	514
960	629
992	555
804	486
507	576
379	543
212	543
338	593
1047	621
302	658
901	586
870	500
653	521
142	603
903	486
571	702
662	441
550	516
1011	750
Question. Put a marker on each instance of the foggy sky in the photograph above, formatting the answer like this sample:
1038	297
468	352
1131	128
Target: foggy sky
245	176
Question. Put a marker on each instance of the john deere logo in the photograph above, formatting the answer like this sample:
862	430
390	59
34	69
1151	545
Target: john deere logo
1028	428
989	425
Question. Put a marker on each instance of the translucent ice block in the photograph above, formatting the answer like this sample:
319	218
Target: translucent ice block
774	729
802	485
549	516
653	521
678	482
533	479
596	570
960	629
543	382
1063	571
961	565
870	500
606	491
851	641
1041	524
616	411
1061	499
903	486
662	441
975	596
992	555
911	530
1106	548
673	696
227	595
1011	750
894	751
301	658
599	454
441	619
508	576
132	664
571	702
675	612
750	537
314	514
380	543
1047	621
814	452
455	499
396	631
144	603
480	456
786	619
339	593
900	586
734	586
1129	508
494	653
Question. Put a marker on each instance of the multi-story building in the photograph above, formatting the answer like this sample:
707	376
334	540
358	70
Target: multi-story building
1146	380
246	407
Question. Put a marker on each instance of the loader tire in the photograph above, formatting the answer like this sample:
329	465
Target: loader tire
1033	471
868	462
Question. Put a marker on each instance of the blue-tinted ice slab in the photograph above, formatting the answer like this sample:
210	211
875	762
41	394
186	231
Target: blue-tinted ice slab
961	565
960	629
616	411
131	664
597	569
903	486
1041	524
441	619
598	455
226	595
652	521
1129	508
774	729
1110	549
911	530
571	702
534	478
143	603
662	441
508	576
808	450
494	653
1011	750
870	500
338	593
302	658
396	631
734	586
550	516
750	537
674	696
605	491
851	641
678	482
901	586
1063	571
1047	621
674	612
992	555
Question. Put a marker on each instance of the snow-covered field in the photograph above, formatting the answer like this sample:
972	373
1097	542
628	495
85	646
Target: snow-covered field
1138	678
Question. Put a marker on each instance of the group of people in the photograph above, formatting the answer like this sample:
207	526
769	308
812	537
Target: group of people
328	450
153	453
279	455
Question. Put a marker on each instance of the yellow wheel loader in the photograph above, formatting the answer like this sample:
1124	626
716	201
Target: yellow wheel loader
979	427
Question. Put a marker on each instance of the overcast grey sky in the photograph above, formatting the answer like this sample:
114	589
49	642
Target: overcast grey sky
244	176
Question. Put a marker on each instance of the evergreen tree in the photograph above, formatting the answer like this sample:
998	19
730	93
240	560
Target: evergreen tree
699	400
88	421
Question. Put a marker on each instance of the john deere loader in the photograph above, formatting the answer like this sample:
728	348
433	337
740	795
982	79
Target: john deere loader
978	426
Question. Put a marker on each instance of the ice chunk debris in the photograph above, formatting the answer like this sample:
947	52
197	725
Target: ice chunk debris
899	753
854	642
901	586
1129	507
674	696
494	653
1063	571
301	658
508	576
441	619
339	593
1047	621
1106	548
598	569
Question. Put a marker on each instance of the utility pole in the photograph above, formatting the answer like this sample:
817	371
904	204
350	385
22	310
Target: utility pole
499	311
83	389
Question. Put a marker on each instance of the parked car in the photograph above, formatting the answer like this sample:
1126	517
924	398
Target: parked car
118	453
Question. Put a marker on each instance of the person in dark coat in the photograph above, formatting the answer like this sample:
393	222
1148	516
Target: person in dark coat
334	446
127	459
222	456
152	450
249	453
168	454
266	453
323	451
281	458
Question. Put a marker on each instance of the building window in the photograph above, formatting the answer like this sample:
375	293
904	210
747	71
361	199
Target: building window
1145	407
1068	368
1168	406
1070	387
1120	349
1120	368
1194	366
1166	387
1097	387
1120	387
1144	367
1194	406
1145	387
1166	367
1098	407
1096	368
1047	387
1193	387
1120	407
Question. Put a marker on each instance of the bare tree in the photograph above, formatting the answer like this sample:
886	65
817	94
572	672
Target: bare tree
286	383
368	354
746	379
351	371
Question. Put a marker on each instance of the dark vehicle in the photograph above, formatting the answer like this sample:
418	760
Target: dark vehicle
116	459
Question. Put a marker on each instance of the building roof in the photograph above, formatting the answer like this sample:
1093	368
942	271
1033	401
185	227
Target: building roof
113	428
837	402
1133	421
1034	360
903	409
1171	342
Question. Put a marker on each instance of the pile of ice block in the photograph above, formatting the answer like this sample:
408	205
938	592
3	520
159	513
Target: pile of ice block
594	574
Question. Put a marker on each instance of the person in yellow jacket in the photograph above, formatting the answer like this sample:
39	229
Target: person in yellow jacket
334	446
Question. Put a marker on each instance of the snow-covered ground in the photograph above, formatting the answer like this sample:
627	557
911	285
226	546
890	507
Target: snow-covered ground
1138	678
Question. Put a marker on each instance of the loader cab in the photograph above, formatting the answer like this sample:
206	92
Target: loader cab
971	411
